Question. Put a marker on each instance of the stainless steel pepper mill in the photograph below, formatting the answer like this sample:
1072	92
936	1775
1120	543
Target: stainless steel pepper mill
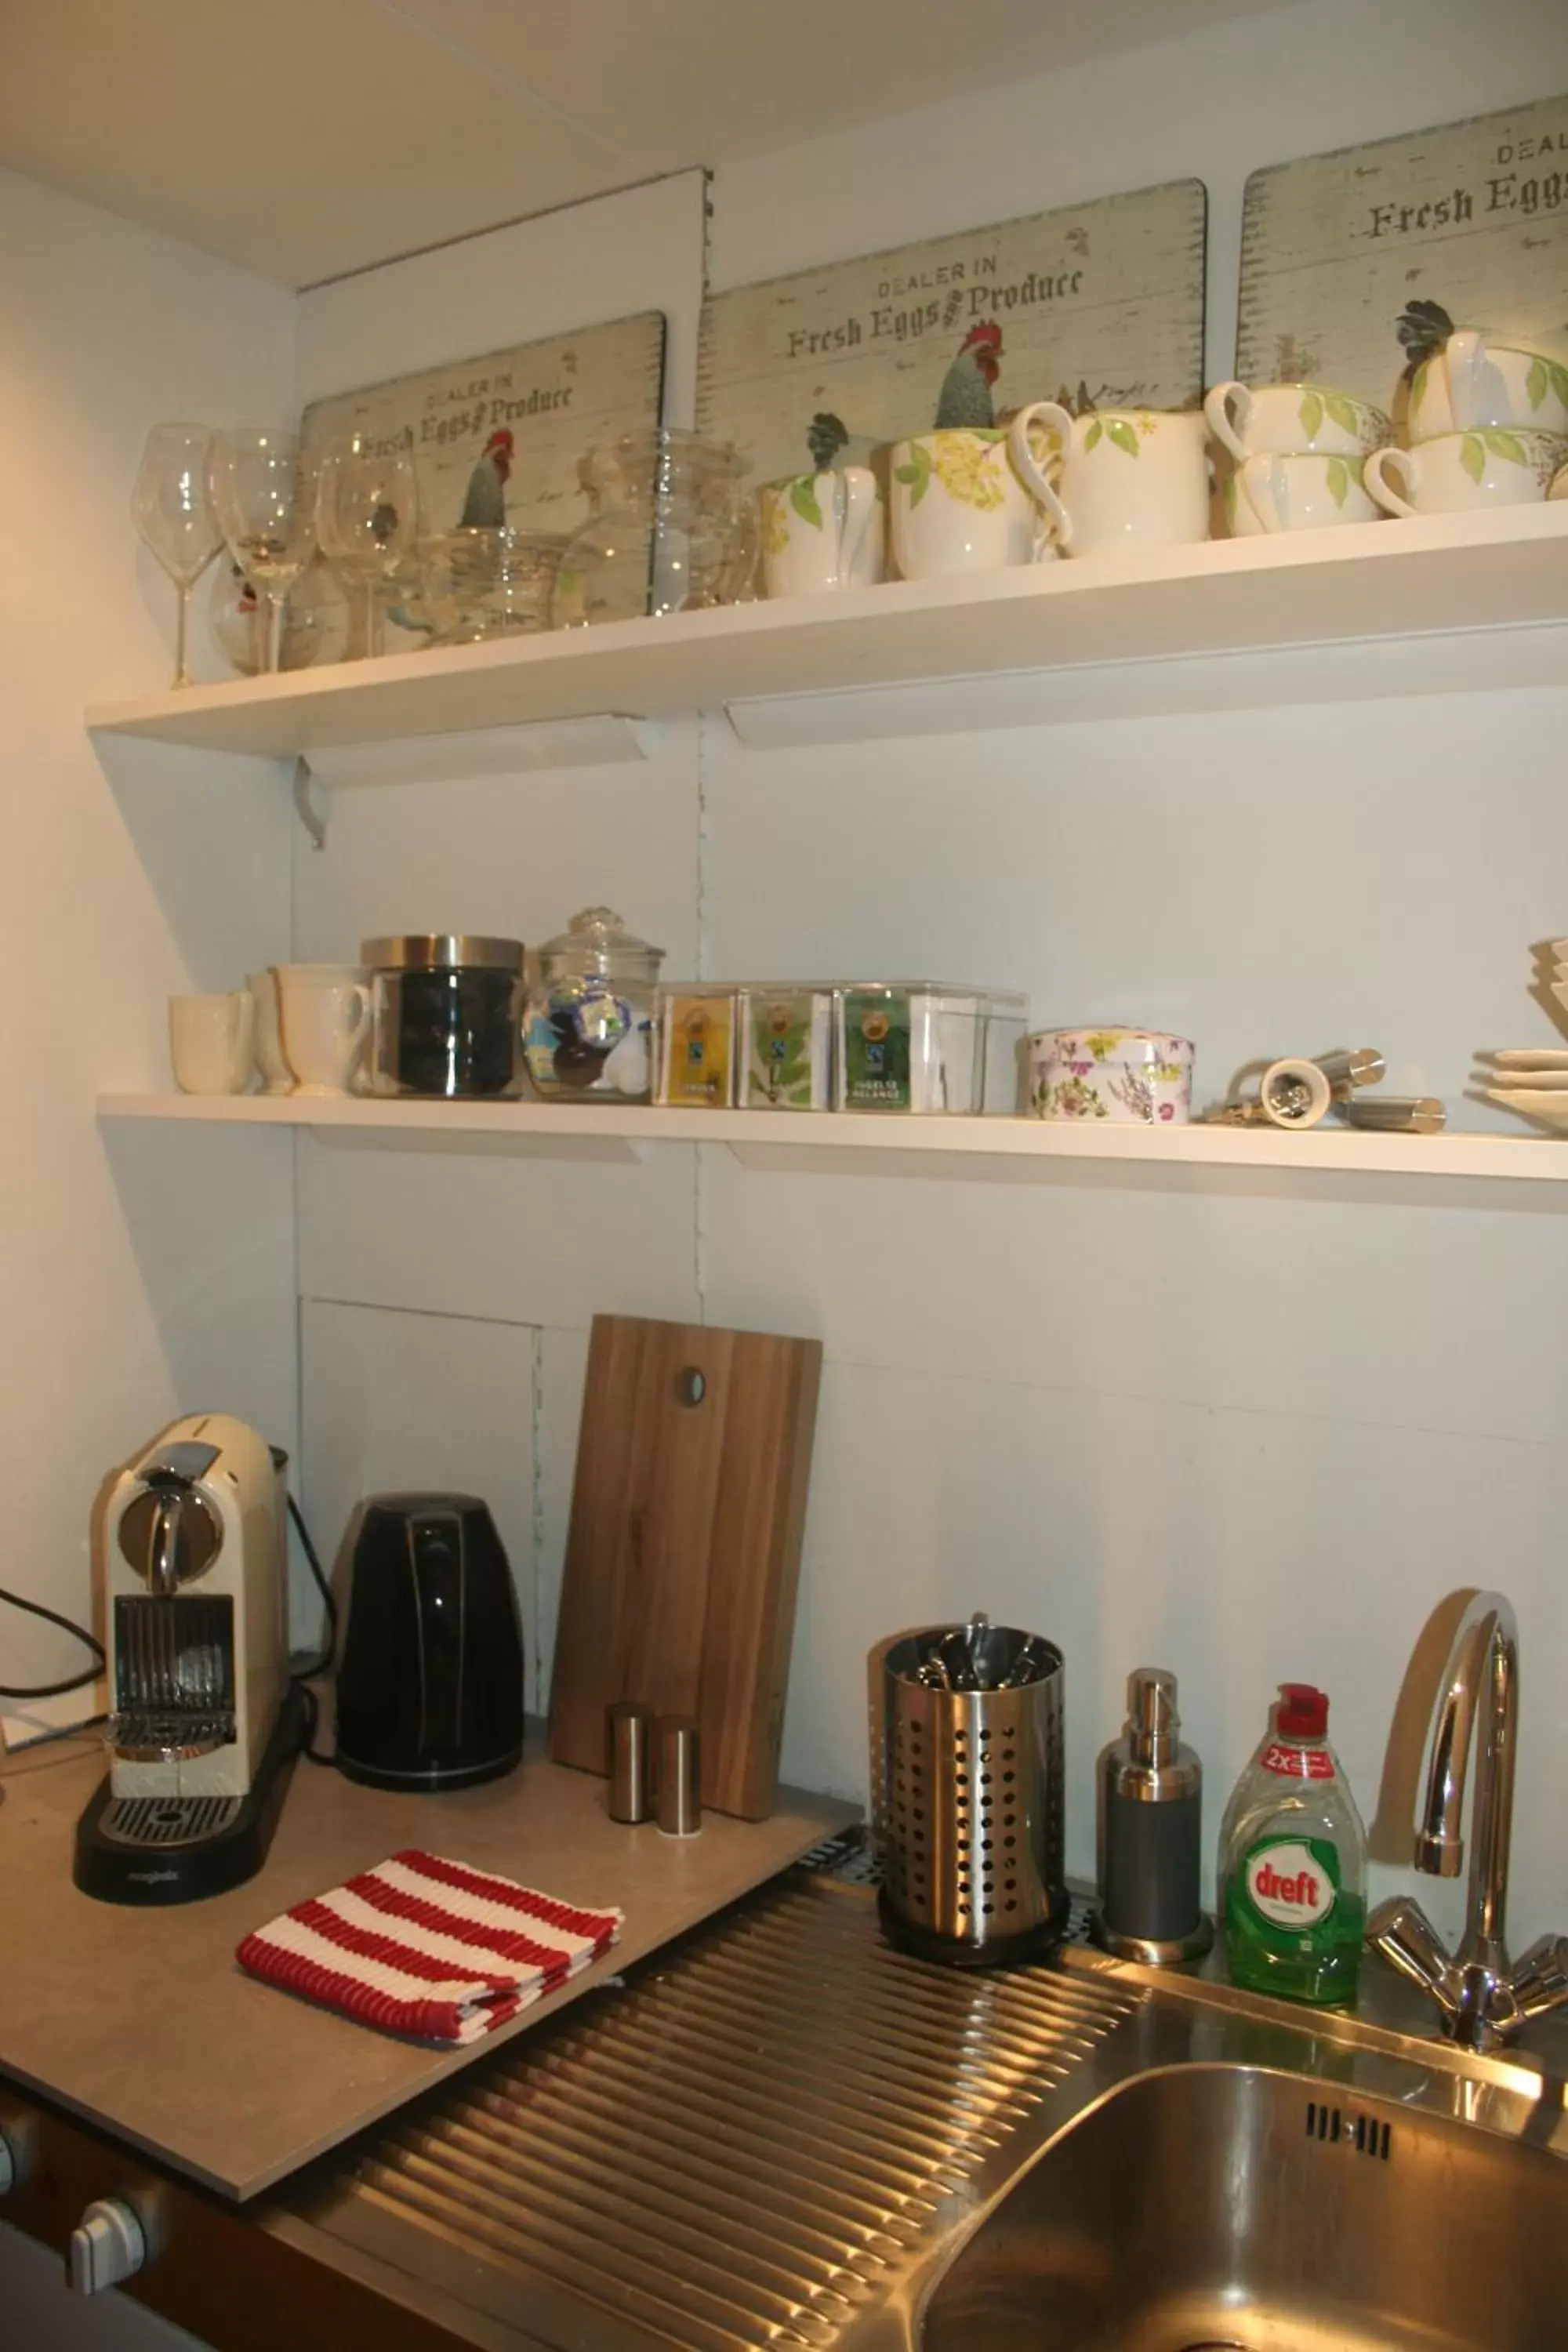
1150	1832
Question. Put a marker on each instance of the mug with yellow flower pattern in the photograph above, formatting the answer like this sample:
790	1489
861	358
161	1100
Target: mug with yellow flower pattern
1129	478
957	504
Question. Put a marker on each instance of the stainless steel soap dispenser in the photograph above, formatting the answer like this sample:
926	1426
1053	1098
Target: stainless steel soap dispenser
1150	1832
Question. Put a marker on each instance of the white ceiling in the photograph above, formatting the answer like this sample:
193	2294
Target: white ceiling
307	138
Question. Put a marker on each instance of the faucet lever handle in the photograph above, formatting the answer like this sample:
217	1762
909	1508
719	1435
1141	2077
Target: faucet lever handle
1402	1932
1540	1978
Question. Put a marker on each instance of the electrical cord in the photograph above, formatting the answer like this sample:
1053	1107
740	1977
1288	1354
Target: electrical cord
301	1675
316	1665
78	1633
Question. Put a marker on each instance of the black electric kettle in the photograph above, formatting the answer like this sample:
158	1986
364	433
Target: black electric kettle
430	1683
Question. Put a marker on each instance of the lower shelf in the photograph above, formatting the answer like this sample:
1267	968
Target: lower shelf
1006	1150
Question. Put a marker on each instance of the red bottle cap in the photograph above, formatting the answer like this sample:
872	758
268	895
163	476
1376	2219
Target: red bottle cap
1303	1712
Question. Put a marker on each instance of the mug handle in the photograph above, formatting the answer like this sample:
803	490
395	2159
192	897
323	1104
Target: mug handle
359	1028
241	1024
1272	509
1054	418
1401	463
1228	409
1463	357
858	491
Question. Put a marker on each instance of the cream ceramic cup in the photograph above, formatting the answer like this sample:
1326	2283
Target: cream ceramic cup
1467	473
1296	493
277	1077
1284	419
958	505
1558	484
821	531
325	1010
211	1040
1473	381
1129	477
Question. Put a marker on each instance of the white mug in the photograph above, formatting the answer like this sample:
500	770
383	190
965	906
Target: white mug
1284	419
1467	473
1472	382
1129	477
277	1077
326	1010
821	531
1559	485
1304	492
210	1042
958	505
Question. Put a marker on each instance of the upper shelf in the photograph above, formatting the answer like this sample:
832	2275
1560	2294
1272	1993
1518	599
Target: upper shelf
1453	1169
1089	623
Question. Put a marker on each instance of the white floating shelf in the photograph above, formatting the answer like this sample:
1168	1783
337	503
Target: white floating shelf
1085	624
1014	1151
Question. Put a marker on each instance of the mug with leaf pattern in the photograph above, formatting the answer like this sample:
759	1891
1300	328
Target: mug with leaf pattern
1131	477
1459	473
1284	419
821	531
1473	383
1304	491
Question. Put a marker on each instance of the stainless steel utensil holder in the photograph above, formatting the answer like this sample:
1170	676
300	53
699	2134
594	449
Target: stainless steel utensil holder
970	1826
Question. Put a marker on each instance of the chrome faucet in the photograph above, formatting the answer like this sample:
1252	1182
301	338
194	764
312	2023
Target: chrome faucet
1483	2000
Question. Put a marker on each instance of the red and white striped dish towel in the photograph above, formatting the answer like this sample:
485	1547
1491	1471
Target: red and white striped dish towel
428	1948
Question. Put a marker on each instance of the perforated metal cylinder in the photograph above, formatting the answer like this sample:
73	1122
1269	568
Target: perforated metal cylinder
970	1827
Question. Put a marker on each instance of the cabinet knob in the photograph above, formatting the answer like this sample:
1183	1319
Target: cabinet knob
107	2246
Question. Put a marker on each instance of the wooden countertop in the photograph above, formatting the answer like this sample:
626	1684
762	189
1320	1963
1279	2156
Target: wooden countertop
141	2022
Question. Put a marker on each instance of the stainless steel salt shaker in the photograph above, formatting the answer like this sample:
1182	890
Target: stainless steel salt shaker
1150	1832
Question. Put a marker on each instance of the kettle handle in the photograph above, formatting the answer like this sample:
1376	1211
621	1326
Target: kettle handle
440	1613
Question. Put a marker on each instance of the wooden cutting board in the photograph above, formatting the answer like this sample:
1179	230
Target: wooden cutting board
684	1549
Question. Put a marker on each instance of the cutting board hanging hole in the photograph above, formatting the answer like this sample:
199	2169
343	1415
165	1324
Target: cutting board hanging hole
691	1386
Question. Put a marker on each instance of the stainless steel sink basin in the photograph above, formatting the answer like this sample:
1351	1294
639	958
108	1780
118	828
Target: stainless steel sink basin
1209	2206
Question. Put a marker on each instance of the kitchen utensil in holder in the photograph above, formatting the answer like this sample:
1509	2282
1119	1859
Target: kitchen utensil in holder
970	1827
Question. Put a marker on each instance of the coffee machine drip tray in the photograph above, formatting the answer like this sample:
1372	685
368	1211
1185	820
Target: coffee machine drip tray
145	1822
165	1849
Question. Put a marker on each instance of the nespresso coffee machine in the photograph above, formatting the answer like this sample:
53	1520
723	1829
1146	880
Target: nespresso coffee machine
203	1723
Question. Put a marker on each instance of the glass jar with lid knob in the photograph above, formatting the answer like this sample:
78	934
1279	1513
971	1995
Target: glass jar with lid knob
588	1025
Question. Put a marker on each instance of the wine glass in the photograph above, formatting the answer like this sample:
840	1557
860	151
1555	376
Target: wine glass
262	497
366	515
173	516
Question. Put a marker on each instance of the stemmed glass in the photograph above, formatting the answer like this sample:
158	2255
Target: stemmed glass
171	511
366	516
262	497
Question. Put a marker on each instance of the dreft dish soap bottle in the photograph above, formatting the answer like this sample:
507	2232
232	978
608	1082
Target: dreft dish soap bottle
1292	1861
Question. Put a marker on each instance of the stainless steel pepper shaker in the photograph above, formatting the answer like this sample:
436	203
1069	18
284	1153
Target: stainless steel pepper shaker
1150	1832
628	1759
679	1801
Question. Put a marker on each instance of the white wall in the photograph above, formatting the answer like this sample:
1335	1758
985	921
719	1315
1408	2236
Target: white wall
1252	1436
139	1280
1146	1422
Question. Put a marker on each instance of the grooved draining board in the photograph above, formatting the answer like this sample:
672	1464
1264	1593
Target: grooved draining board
684	1548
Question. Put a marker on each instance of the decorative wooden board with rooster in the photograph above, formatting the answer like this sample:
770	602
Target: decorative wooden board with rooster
499	439
1102	304
1472	216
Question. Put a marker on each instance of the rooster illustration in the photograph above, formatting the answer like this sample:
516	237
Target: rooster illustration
966	387
1423	328
484	508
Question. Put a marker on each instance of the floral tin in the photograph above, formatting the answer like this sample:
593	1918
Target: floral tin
1132	1077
